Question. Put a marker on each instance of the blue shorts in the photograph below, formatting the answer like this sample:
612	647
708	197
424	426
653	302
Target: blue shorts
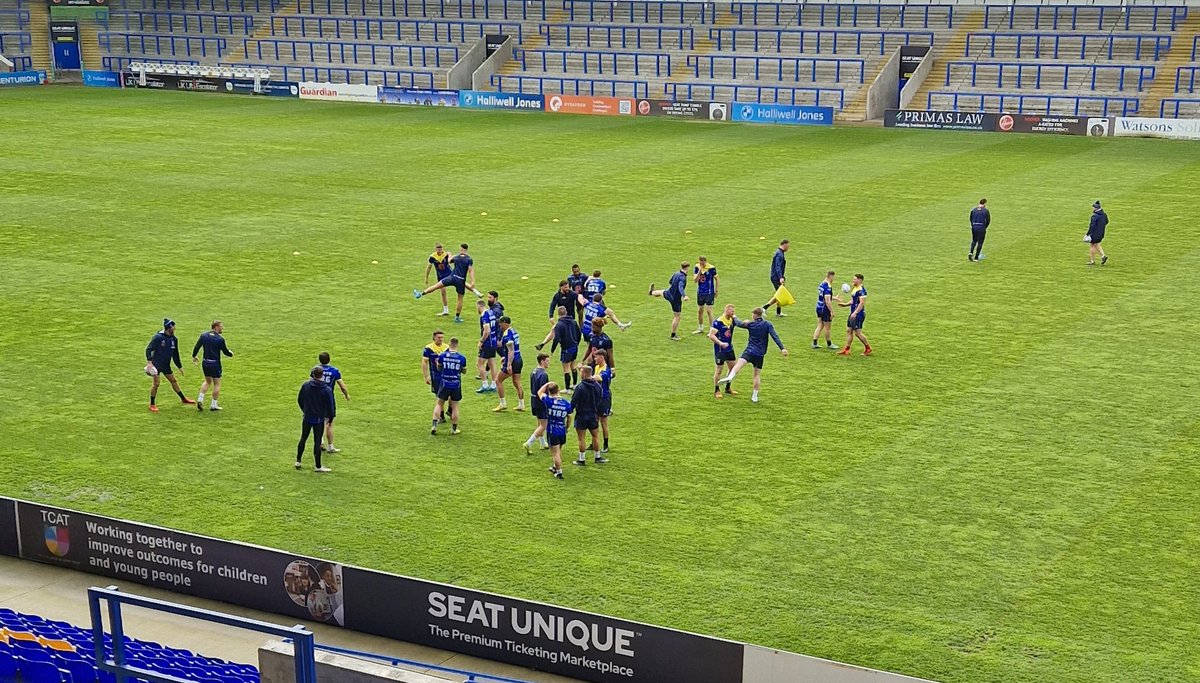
606	406
537	407
722	356
756	361
825	315
459	284
676	304
556	439
856	322
517	364
448	394
586	423
164	370
435	384
487	352
568	355
705	299
211	368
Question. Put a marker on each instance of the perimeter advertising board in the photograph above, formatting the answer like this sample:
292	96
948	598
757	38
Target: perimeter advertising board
240	86
684	109
22	78
339	92
939	120
585	104
752	112
478	99
1042	123
1173	129
419	96
102	79
571	643
174	82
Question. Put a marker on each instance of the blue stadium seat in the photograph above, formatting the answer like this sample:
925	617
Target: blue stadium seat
8	665
81	671
39	672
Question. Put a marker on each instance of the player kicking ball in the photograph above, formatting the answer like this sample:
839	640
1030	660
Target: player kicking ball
756	349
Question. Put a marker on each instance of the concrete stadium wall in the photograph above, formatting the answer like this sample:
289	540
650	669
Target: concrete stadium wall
459	76
914	84
882	93
482	78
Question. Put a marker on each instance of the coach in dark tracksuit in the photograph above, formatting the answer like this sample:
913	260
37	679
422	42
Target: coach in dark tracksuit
778	266
563	297
1095	234
316	402
981	218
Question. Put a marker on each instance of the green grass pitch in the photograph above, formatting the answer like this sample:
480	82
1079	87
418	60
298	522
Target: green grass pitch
1007	491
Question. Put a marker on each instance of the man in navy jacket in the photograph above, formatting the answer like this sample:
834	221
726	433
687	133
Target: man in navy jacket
316	402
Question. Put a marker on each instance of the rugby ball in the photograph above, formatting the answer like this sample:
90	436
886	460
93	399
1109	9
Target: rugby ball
151	370
846	287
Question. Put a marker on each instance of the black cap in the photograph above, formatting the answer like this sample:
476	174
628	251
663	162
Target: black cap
1096	204
167	322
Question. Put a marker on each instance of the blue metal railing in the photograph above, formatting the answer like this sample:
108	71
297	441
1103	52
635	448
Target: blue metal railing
1049	75
214	5
763	94
573	86
448	30
1195	47
664	12
1076	17
184	22
331	52
622	35
148	44
779	68
111	597
457	9
1186	74
14	41
598	61
1042	104
856	41
396	661
22	16
1172	105
1075	46
846	15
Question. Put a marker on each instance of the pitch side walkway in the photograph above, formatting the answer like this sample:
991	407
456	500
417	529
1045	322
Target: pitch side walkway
61	594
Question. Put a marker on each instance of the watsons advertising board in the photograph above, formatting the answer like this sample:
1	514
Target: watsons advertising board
476	99
339	92
1173	129
750	112
23	78
939	120
579	645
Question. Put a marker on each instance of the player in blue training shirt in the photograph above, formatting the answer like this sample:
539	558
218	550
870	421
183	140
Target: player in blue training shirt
721	335
461	278
604	375
825	299
511	364
439	262
707	284
576	280
594	285
756	348
332	378
602	341
674	294
453	365
858	315
594	309
489	340
538	379
160	352
431	371
558	421
586	402
214	345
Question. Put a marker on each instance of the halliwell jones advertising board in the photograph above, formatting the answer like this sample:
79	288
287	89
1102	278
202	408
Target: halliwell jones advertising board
752	112
586	104
684	109
939	120
478	99
576	644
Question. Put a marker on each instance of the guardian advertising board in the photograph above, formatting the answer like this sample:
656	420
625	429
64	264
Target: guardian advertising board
477	99
339	92
567	642
752	112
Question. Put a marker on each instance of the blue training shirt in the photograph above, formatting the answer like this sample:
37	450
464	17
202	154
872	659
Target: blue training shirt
858	293
823	290
707	281
557	410
461	263
594	286
511	337
759	330
592	311
452	364
488	317
213	345
676	288
724	328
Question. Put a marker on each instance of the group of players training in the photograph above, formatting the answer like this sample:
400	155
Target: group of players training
577	312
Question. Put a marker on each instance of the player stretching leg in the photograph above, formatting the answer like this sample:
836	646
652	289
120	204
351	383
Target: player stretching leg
756	348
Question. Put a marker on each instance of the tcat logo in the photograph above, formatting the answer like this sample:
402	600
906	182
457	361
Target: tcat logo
58	535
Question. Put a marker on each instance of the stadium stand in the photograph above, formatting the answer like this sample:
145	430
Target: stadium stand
15	39
37	650
1068	59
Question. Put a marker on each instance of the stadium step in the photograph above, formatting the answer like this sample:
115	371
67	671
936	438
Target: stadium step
954	49
236	52
1180	54
701	46
39	33
89	44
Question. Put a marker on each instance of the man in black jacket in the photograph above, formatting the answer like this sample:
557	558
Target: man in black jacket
981	218
566	336
316	402
585	403
1095	234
